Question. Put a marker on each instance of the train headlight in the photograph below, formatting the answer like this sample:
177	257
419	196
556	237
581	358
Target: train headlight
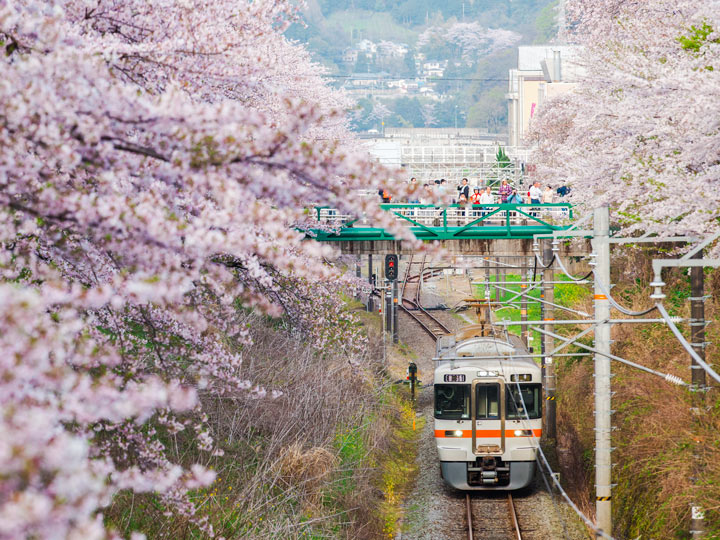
521	377
454	433
523	432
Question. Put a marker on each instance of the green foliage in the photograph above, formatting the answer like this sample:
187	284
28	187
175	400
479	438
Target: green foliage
697	37
502	158
546	23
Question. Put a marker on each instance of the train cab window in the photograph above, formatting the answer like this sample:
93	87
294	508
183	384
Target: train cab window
488	400
530	399
452	401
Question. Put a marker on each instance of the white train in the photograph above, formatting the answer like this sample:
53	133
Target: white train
488	409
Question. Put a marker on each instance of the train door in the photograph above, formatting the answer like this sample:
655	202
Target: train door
488	415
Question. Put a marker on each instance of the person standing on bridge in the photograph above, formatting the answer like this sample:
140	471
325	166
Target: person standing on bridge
385	195
505	191
414	191
487	198
464	189
535	196
462	210
515	197
547	196
475	201
535	193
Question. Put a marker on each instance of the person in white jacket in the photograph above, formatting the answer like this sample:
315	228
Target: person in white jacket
487	198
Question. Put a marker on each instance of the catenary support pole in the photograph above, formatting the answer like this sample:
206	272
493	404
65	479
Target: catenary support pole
549	342
388	306
603	427
698	382
395	312
371	306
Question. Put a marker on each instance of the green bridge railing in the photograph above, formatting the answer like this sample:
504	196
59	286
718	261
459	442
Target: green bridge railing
451	222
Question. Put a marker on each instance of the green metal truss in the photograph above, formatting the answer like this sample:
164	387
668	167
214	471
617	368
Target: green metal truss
476	229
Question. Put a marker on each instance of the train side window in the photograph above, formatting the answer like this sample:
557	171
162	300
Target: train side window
530	399
452	401
488	399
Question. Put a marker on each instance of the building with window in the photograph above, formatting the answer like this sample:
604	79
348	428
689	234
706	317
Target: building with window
543	71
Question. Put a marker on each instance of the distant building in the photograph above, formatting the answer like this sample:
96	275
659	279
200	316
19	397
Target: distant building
434	69
350	55
543	71
389	50
366	46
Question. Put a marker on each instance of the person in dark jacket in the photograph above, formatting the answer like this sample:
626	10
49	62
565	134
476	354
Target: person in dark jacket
464	189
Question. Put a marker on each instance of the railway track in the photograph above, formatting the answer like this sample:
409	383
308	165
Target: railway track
489	526
410	302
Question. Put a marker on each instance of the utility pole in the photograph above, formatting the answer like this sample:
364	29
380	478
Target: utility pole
371	306
603	412
388	306
549	315
697	334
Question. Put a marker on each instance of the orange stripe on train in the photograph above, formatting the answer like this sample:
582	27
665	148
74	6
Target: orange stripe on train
483	433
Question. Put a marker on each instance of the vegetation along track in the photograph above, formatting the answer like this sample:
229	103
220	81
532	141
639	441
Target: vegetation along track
412	306
489	524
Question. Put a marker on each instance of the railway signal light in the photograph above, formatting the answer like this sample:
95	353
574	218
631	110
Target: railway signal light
391	267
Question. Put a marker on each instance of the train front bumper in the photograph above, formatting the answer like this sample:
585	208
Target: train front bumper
455	474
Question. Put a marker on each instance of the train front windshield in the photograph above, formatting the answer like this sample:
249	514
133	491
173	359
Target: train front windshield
452	401
527	407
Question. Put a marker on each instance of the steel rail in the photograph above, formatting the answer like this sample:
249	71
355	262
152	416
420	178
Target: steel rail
468	512
513	517
417	308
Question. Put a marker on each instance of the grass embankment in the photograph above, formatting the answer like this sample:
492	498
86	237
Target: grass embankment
660	445
565	295
330	458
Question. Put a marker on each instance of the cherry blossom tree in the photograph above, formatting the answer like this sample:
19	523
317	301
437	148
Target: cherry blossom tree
640	131
469	39
154	160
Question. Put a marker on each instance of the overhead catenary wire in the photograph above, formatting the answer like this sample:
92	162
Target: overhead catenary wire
710	371
570	277
667	376
556	482
621	309
553	477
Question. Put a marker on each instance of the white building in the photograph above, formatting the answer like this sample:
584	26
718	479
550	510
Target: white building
543	71
350	56
434	69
